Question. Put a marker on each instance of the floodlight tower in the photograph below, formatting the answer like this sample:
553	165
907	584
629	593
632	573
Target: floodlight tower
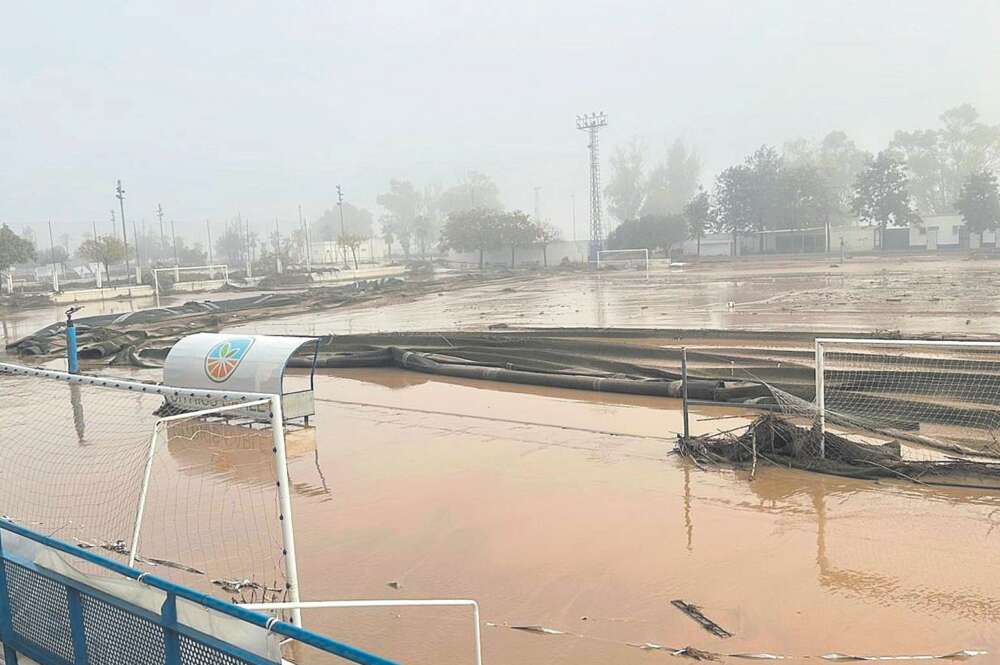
591	124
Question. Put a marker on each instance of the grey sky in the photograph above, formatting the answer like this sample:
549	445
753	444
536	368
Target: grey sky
215	107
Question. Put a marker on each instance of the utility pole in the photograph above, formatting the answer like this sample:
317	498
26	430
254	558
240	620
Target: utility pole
277	247
591	124
173	237
138	260
208	226
307	254
340	204
163	238
114	223
120	195
249	252
52	257
243	239
538	206
97	273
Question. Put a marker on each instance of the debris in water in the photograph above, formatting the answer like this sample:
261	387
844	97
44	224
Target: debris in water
539	629
235	586
706	623
173	564
781	443
685	652
758	656
955	655
119	547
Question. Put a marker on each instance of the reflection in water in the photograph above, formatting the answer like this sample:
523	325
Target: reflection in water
884	589
78	421
688	523
319	470
238	454
600	310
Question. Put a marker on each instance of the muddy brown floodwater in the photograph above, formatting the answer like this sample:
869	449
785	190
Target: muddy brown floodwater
521	499
915	294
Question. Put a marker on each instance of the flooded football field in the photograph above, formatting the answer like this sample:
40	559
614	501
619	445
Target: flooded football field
913	295
524	500
565	510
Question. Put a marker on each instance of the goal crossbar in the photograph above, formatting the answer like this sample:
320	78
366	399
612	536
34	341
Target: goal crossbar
642	254
177	270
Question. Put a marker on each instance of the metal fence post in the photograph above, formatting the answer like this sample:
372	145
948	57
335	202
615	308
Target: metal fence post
171	643
6	627
820	398
76	626
285	503
684	389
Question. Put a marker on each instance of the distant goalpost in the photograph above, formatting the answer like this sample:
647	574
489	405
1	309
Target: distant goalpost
941	396
177	271
636	259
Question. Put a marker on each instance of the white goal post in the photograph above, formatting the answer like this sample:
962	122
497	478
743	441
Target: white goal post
200	497
176	271
631	257
936	394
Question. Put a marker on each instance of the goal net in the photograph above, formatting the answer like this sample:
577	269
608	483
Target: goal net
107	464
935	397
623	259
189	278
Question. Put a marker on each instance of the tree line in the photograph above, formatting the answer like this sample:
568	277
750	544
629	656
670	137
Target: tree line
950	169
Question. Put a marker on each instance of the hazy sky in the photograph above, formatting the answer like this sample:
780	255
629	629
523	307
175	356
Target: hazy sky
216	107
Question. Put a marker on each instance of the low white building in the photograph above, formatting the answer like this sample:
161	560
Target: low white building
937	232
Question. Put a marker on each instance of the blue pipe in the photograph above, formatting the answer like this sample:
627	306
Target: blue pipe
71	357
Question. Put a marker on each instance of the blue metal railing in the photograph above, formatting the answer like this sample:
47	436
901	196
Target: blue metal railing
55	620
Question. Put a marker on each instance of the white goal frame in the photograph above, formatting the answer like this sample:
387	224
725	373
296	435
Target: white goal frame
237	400
177	270
822	342
645	256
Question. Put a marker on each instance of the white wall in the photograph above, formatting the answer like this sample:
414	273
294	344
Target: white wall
948	226
712	244
575	252
856	238
329	252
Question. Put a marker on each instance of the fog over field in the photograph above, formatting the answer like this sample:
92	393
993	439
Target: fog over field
219	108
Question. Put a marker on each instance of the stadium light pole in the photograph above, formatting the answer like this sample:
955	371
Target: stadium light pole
120	195
591	124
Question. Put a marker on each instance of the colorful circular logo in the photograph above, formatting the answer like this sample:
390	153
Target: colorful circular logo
223	358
